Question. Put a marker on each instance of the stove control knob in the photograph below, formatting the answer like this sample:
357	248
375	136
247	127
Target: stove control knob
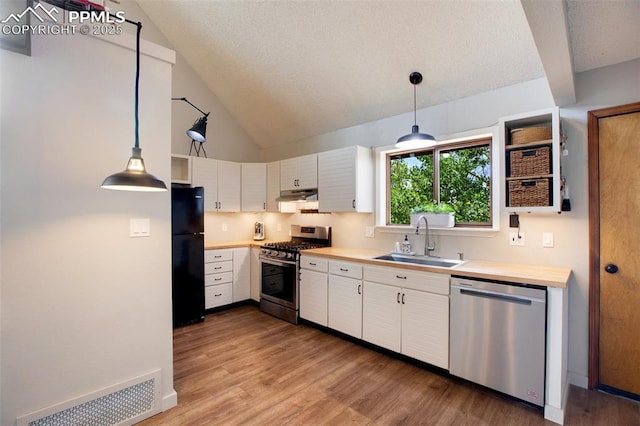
289	255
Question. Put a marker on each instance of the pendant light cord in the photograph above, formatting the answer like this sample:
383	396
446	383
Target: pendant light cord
137	138
415	115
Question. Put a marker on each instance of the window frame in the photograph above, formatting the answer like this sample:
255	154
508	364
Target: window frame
466	139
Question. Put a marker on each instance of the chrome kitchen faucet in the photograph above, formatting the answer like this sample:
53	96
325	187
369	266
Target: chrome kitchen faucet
427	247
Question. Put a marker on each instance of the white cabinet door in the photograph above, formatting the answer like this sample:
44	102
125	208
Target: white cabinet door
254	187
228	186
255	274
381	315
308	171
204	173
288	174
345	305
241	274
345	180
299	172
425	327
273	185
313	296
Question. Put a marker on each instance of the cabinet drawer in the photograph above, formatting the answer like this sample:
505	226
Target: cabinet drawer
218	267
314	263
345	269
217	295
423	281
213	279
217	255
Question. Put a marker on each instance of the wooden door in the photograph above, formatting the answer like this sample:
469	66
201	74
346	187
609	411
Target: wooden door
614	151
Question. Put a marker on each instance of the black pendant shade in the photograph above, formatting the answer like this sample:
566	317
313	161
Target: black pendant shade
199	130
415	139
135	176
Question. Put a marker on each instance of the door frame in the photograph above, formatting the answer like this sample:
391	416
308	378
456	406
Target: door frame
594	231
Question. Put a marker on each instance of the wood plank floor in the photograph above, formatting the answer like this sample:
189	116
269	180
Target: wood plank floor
243	367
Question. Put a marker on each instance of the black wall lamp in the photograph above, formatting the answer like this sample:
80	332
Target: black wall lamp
415	139
135	176
198	131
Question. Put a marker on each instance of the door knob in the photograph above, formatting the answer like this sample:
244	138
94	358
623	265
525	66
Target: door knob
611	268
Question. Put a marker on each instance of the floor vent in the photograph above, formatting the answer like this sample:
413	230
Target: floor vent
123	404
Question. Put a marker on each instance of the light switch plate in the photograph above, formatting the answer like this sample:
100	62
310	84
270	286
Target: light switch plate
547	239
139	227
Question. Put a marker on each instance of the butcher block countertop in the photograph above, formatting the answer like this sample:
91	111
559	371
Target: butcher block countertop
525	274
236	244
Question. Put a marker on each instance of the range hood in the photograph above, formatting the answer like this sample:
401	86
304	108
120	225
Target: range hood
298	195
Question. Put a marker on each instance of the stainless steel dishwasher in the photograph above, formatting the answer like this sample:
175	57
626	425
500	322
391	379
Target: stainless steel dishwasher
497	334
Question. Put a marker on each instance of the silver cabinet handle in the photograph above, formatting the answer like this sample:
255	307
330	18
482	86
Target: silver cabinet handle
359	288
218	267
401	278
403	298
354	204
344	269
217	279
217	295
398	298
217	256
313	264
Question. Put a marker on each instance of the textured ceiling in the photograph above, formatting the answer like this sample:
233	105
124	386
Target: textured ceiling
289	70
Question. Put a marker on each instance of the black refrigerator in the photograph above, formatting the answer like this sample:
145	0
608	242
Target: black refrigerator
187	251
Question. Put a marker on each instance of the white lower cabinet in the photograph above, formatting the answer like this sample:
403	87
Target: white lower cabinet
381	315
313	296
226	276
345	305
402	310
411	319
241	274
218	278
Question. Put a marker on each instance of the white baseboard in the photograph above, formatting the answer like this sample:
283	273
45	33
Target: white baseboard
579	380
169	401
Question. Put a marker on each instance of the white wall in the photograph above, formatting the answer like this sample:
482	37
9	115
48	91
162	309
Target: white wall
226	138
83	305
599	88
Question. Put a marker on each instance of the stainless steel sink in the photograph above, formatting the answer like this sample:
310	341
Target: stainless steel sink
421	260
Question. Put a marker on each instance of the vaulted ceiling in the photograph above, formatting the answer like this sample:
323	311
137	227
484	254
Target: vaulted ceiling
291	69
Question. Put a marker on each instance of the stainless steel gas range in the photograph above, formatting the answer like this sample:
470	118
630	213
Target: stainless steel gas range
280	264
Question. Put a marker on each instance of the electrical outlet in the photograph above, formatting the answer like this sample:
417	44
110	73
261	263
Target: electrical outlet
224	227
547	239
515	239
369	231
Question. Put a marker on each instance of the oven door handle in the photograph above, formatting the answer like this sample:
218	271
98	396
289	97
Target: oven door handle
277	262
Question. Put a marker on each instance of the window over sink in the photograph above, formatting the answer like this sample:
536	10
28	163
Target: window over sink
461	172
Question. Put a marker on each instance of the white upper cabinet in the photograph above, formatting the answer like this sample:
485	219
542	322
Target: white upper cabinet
204	173
273	185
228	186
346	180
221	183
254	187
299	173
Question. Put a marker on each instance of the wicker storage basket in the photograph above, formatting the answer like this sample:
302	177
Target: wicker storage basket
529	193
530	134
530	162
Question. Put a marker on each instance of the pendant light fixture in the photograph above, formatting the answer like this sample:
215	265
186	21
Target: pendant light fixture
415	139
135	176
198	131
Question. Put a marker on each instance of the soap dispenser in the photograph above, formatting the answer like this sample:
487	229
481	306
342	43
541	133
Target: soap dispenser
406	245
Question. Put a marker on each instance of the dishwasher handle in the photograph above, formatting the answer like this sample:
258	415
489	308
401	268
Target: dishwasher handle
496	296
